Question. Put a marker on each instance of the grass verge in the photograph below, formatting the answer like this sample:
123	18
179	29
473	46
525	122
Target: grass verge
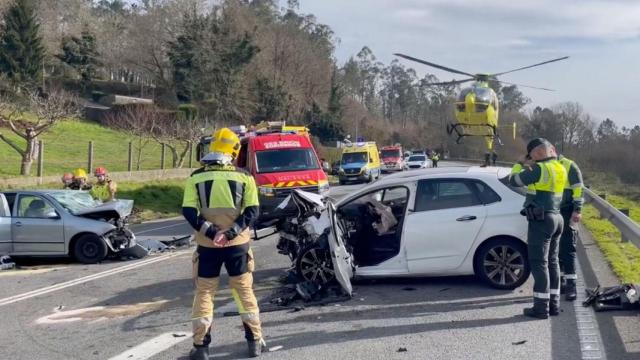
624	258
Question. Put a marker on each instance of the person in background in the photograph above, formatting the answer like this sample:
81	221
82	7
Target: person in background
494	158
67	180
80	181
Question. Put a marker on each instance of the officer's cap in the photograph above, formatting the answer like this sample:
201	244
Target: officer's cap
535	143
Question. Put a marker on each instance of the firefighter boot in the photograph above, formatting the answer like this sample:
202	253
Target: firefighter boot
255	347
570	293
554	305
199	353
539	309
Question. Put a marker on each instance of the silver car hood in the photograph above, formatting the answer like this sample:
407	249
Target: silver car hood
121	208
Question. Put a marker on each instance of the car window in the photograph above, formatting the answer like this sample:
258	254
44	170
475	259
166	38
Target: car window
11	199
31	206
444	194
394	194
486	193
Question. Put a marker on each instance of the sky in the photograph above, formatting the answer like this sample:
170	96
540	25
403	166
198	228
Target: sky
602	39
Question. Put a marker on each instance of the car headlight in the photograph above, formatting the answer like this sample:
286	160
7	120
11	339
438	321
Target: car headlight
267	191
365	170
323	187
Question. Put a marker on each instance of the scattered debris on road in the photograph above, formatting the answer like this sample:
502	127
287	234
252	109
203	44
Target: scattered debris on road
402	349
97	313
443	290
622	297
6	263
519	342
178	335
275	348
148	246
409	289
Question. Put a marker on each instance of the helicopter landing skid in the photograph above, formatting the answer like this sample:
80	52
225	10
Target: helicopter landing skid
460	135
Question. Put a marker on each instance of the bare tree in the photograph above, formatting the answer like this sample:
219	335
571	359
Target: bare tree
137	120
179	134
30	118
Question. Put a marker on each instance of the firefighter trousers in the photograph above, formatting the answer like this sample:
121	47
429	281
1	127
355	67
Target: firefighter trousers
543	245
207	264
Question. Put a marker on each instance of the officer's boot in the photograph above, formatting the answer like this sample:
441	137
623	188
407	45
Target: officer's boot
255	347
554	305
563	285
540	309
199	353
570	293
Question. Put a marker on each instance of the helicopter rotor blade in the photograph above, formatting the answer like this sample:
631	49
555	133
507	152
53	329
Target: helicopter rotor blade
453	82
434	65
530	66
525	86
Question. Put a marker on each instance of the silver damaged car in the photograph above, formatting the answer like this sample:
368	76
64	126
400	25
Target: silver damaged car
63	223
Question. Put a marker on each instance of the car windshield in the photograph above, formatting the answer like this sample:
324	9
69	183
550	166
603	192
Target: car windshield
418	158
391	153
270	161
354	158
75	201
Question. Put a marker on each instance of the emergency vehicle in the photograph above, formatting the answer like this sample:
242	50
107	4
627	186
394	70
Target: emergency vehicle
280	158
360	162
392	158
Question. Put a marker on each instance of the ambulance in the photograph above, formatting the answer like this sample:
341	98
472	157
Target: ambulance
280	158
360	162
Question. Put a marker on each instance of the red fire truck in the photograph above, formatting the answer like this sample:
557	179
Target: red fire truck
392	158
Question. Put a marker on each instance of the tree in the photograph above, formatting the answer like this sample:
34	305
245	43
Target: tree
48	109
512	99
21	50
138	121
81	54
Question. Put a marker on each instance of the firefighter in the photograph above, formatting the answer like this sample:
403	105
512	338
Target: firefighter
104	189
80	181
570	209
221	204
67	180
545	177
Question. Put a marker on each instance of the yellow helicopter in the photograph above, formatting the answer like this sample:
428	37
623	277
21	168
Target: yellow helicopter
477	107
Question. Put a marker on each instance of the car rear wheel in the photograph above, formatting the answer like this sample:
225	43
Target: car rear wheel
502	263
90	249
314	264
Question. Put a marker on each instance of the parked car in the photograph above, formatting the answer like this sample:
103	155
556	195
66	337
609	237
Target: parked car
433	222
63	222
417	162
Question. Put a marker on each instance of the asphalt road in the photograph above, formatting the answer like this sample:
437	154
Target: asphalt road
140	309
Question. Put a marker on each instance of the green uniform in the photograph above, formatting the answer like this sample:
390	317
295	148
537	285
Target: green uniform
221	199
572	201
545	183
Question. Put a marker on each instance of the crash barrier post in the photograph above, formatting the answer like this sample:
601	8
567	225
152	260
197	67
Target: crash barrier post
40	159
90	160
629	229
130	157
190	155
626	212
162	153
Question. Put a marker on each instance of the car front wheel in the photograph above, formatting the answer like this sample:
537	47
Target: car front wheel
502	263
90	249
314	264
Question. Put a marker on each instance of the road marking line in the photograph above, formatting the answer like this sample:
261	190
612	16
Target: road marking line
82	280
159	228
591	344
153	346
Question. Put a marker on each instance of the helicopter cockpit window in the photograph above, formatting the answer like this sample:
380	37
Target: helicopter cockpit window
463	94
483	95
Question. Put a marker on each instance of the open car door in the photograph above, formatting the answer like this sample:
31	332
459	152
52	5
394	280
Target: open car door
6	243
341	258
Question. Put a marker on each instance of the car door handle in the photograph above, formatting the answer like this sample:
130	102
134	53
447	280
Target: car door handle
18	224
466	218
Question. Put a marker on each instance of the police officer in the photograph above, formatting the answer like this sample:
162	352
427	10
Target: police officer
435	158
221	203
570	209
544	177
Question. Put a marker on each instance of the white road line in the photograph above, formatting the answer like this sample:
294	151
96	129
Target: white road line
82	280
591	344
153	346
158	228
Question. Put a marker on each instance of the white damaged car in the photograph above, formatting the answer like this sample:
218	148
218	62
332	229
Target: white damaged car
63	223
433	222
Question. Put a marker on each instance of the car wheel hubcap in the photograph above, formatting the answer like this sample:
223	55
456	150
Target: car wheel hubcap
315	265
90	250
504	265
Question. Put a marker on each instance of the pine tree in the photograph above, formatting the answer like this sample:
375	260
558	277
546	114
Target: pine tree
21	50
81	54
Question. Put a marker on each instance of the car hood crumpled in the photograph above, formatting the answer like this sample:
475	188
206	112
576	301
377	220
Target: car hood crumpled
111	209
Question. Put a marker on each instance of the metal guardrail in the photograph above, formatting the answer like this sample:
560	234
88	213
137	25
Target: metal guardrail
629	229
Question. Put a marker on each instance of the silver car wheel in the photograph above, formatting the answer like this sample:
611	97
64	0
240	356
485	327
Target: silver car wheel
504	265
314	264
